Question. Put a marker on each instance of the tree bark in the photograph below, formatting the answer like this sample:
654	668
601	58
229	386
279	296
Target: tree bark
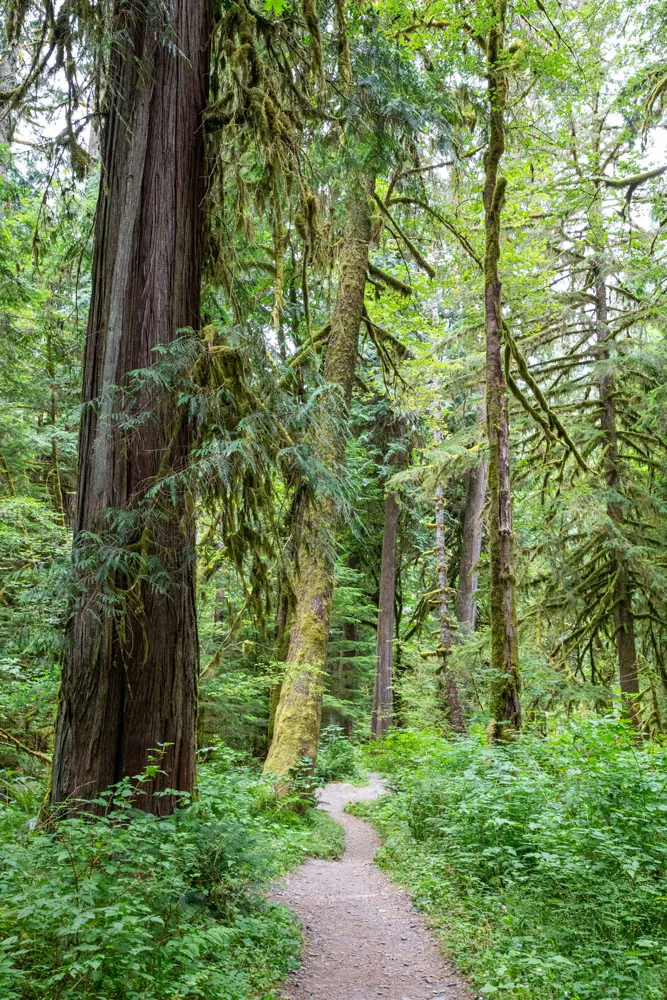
130	677
299	713
505	688
383	704
624	624
8	63
471	548
447	681
342	672
280	641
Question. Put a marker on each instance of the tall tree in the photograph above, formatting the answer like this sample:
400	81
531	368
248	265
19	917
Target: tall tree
299	712
472	529
471	546
505	704
447	681
130	676
383	702
624	625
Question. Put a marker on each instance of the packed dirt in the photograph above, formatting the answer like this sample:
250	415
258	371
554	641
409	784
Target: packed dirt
364	938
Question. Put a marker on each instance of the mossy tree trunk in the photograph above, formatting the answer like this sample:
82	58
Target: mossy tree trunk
624	623
299	712
129	681
505	688
383	702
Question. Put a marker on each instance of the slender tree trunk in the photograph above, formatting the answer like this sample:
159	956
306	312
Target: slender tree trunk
8	63
624	624
219	608
280	643
471	547
54	473
505	704
129	679
383	704
448	685
299	713
341	672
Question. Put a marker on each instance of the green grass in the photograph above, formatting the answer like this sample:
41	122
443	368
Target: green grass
542	864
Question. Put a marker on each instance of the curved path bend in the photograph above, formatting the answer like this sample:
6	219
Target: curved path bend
364	938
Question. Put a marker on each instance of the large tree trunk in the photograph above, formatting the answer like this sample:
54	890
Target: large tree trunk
130	677
299	714
624	624
505	704
447	681
471	548
383	703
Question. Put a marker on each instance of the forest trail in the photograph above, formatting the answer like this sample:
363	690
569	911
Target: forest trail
364	938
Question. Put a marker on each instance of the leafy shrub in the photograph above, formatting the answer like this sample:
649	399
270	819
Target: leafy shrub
337	758
544	862
125	906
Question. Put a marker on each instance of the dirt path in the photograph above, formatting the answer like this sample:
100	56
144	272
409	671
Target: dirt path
364	939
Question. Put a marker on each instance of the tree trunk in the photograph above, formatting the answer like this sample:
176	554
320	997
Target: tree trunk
219	607
505	704
130	677
471	548
8	63
342	672
383	705
448	685
280	642
624	624
298	718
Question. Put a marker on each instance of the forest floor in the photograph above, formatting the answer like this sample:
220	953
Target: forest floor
364	938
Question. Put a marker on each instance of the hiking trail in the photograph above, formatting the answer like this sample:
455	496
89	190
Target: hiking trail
364	938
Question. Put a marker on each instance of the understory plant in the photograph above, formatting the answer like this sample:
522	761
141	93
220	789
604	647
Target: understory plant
543	862
121	905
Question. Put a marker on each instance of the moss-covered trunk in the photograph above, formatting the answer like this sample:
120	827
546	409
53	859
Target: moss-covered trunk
624	624
505	685
298	717
383	702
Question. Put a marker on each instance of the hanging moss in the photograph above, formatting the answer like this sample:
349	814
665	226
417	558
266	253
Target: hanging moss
344	61
309	11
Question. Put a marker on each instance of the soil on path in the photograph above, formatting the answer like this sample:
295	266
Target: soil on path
364	938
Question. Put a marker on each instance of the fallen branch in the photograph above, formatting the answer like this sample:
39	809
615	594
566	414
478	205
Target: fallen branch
10	741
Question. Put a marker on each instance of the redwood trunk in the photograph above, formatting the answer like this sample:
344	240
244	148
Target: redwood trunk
471	548
505	704
129	680
624	624
299	713
383	703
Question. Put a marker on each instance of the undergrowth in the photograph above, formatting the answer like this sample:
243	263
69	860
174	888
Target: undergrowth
338	759
543	863
124	906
